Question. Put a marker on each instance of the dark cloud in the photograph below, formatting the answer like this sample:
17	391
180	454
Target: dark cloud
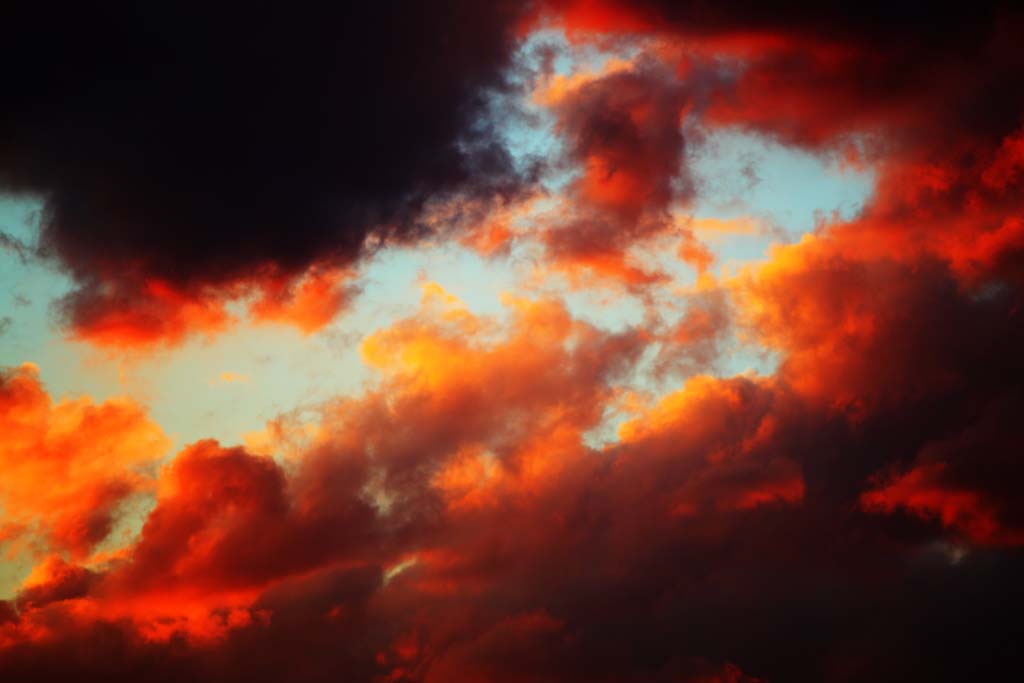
201	146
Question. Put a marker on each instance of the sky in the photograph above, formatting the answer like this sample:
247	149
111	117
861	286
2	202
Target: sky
562	340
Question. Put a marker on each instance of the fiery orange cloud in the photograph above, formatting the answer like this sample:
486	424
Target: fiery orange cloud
197	557
482	419
909	305
70	464
489	240
309	302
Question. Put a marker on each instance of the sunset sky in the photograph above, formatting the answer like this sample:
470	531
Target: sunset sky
562	341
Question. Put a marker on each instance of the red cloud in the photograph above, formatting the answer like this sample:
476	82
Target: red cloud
148	313
622	129
965	481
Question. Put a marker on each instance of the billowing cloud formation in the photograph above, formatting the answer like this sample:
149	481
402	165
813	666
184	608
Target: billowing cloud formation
187	151
69	465
851	517
453	525
623	130
394	500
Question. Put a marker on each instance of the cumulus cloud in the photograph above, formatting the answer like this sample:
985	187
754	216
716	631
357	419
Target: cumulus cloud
70	464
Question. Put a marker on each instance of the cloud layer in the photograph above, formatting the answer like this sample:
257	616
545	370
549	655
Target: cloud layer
852	516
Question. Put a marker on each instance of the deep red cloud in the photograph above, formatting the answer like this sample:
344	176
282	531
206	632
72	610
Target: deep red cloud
966	481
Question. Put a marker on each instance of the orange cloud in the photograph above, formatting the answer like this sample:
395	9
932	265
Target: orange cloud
553	89
726	468
454	520
309	302
69	465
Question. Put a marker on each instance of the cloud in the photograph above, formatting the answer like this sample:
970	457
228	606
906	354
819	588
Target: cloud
473	422
309	137
144	314
70	465
963	480
455	522
622	132
702	334
229	377
452	521
811	73
309	304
